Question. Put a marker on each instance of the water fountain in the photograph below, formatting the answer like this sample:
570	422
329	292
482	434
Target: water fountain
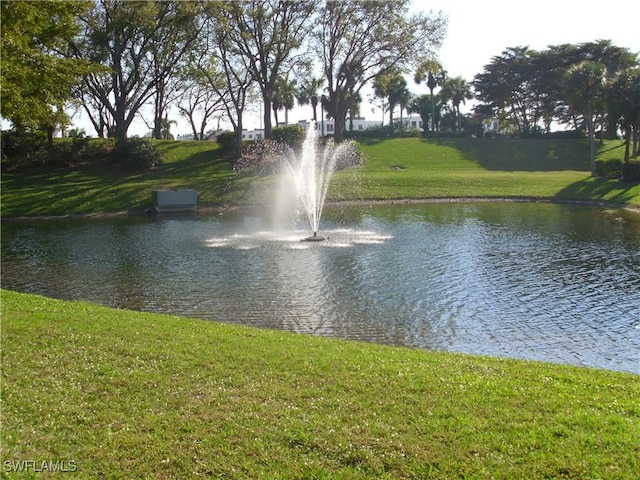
311	172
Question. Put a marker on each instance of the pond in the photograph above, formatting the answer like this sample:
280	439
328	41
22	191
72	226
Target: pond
539	281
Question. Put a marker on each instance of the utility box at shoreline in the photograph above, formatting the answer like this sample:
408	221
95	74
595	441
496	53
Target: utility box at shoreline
174	200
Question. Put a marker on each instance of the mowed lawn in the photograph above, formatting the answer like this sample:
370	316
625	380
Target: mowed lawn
415	168
106	393
404	168
124	395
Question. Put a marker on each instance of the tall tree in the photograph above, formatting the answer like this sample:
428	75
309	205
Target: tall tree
36	79
623	98
180	24
269	34
392	86
307	93
197	102
357	41
509	83
226	68
432	71
284	97
119	35
584	90
457	91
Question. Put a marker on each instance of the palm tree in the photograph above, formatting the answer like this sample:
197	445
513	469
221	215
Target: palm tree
456	90
583	91
422	105
283	97
431	71
165	125
624	105
307	94
404	98
392	86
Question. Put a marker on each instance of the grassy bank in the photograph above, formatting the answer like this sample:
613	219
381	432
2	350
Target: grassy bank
410	168
118	394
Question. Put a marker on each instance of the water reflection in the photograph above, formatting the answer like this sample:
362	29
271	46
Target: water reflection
539	281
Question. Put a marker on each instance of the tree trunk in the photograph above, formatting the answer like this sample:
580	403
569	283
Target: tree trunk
627	142
592	144
239	137
268	131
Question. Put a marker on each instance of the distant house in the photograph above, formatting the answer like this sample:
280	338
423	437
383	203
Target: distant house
252	134
328	126
490	126
184	137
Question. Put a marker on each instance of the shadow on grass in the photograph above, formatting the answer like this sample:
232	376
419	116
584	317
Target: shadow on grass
107	187
527	155
600	189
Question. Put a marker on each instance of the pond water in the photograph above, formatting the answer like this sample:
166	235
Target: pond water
538	281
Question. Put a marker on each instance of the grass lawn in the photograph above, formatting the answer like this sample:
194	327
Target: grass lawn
415	168
410	168
118	394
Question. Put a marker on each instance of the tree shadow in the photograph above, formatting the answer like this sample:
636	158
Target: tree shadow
526	155
600	189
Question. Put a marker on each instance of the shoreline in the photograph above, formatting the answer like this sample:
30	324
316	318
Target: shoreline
211	209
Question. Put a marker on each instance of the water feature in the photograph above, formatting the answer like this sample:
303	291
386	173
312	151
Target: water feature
310	174
541	281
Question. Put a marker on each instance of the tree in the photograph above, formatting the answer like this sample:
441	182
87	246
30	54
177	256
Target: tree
430	70
423	105
197	102
225	68
36	79
510	84
584	89
284	97
179	26
268	35
358	41
165	133
623	98
118	35
456	90
392	86
307	93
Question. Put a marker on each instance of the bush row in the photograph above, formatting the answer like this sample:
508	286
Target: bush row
629	171
26	152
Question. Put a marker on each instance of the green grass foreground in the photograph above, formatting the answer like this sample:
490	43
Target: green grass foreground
401	168
119	394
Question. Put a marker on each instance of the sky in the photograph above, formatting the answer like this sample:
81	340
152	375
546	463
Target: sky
478	31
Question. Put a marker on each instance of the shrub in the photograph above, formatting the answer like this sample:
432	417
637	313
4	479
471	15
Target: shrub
609	168
292	135
631	171
138	154
21	151
227	141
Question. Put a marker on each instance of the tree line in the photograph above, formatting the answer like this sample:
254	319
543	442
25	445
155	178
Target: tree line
215	59
112	57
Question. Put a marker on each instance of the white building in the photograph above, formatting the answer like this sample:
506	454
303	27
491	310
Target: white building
327	127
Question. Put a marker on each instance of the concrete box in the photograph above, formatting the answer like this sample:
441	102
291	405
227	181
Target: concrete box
174	200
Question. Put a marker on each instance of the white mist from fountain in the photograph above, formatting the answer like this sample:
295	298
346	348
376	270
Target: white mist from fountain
311	172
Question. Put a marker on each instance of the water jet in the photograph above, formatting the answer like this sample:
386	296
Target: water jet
311	172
